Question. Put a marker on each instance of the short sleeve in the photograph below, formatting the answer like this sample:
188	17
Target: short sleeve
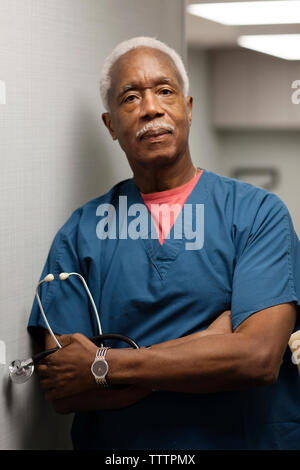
268	270
65	302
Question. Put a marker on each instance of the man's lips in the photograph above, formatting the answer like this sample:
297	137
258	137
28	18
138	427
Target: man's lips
153	133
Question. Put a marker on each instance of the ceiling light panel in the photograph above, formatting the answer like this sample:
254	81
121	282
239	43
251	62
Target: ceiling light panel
249	13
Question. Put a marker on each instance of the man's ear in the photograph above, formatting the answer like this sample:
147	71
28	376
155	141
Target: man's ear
189	104
108	123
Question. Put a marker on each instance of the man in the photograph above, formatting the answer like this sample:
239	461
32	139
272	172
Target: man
217	315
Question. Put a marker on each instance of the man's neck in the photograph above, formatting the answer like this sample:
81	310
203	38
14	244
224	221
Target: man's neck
162	178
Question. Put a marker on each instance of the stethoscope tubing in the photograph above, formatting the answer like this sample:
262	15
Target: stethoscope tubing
98	340
63	276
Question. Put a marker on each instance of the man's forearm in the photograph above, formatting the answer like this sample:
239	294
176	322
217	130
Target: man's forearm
100	399
221	325
203	364
182	340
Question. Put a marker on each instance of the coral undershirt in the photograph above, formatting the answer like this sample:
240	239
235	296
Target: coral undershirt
164	219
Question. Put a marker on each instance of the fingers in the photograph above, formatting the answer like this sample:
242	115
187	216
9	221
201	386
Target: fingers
46	384
55	389
42	370
52	395
67	370
46	381
65	339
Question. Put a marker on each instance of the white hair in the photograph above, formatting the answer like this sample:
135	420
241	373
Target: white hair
125	46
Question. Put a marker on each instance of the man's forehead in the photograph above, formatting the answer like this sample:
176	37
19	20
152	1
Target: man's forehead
144	52
143	63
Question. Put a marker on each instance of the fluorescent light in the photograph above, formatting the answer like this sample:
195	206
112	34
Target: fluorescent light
285	46
243	13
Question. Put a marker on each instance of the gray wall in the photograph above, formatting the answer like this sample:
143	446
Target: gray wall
55	154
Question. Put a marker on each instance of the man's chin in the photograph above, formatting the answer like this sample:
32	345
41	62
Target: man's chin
157	158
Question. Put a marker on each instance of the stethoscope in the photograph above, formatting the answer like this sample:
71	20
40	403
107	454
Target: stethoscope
21	370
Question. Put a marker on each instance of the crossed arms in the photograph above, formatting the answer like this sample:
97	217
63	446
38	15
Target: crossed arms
212	360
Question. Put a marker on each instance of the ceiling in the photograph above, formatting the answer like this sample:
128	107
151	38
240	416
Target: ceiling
206	34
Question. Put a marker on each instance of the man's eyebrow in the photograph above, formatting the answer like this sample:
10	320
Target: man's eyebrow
137	86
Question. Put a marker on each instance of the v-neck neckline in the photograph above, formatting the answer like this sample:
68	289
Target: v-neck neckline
162	256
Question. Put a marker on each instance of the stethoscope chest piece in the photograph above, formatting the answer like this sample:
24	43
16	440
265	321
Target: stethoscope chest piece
20	372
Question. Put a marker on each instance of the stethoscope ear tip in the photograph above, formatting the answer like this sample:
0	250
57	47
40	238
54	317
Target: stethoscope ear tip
63	276
50	277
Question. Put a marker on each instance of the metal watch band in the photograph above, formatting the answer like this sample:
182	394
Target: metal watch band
100	354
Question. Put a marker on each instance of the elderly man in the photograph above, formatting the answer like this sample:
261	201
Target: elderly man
217	313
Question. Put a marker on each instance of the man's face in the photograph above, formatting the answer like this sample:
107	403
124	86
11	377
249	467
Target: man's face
148	112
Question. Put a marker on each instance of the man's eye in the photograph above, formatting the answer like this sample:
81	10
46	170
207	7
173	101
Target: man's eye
166	91
129	98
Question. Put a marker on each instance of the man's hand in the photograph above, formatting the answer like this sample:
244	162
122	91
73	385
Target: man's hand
66	378
68	371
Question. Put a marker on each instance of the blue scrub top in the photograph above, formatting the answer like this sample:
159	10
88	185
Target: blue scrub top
250	260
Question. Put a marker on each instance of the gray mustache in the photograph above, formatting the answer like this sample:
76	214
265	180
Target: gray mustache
154	126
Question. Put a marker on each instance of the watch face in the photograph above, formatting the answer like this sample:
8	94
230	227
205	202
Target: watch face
100	368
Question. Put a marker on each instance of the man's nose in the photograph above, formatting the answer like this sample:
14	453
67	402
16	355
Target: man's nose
151	106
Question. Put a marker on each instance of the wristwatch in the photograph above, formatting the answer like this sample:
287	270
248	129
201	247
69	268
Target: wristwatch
99	368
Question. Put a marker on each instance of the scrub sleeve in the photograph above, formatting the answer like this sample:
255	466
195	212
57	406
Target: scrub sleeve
267	272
